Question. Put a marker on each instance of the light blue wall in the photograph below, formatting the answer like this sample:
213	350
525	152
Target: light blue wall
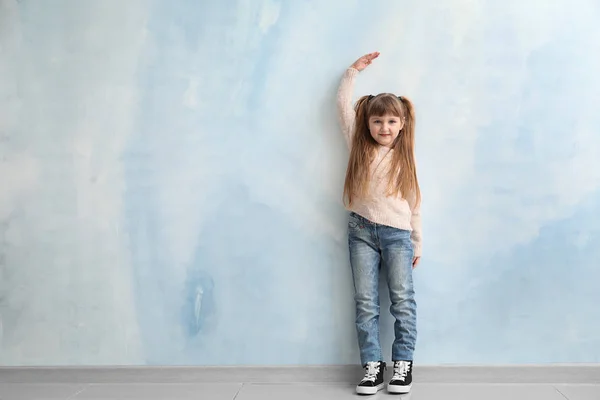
171	178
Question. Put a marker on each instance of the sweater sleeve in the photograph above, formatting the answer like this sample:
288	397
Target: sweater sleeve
416	235
346	113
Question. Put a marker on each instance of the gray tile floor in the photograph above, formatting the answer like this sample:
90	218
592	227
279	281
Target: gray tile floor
218	391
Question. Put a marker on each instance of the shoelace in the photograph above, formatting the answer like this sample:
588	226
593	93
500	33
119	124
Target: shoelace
372	371
400	370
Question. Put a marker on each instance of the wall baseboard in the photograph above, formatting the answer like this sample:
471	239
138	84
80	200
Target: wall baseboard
341	374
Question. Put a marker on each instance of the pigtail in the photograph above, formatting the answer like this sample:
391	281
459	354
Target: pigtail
407	182
357	173
361	114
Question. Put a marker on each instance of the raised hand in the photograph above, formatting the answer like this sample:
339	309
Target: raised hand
365	61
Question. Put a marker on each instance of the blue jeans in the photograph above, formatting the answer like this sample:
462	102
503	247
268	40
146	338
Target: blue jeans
373	246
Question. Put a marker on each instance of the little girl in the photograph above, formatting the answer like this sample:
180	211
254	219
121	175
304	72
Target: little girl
382	194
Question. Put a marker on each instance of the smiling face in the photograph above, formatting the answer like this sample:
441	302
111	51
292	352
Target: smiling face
385	128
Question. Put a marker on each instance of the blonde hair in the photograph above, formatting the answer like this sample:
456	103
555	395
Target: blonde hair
402	178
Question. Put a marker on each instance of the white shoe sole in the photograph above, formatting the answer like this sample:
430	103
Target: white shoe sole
369	390
396	389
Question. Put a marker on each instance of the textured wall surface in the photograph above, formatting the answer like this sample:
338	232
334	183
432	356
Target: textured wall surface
171	175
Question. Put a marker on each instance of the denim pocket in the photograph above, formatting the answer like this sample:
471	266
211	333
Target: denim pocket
355	221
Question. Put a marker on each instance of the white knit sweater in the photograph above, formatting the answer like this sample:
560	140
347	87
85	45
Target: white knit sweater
377	206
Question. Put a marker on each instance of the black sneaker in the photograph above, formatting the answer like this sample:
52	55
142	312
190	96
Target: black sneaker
373	380
401	381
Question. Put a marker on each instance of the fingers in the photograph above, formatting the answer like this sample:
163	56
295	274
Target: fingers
365	60
368	59
373	55
416	262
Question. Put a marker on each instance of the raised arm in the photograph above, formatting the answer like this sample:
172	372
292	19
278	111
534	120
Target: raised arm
346	113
